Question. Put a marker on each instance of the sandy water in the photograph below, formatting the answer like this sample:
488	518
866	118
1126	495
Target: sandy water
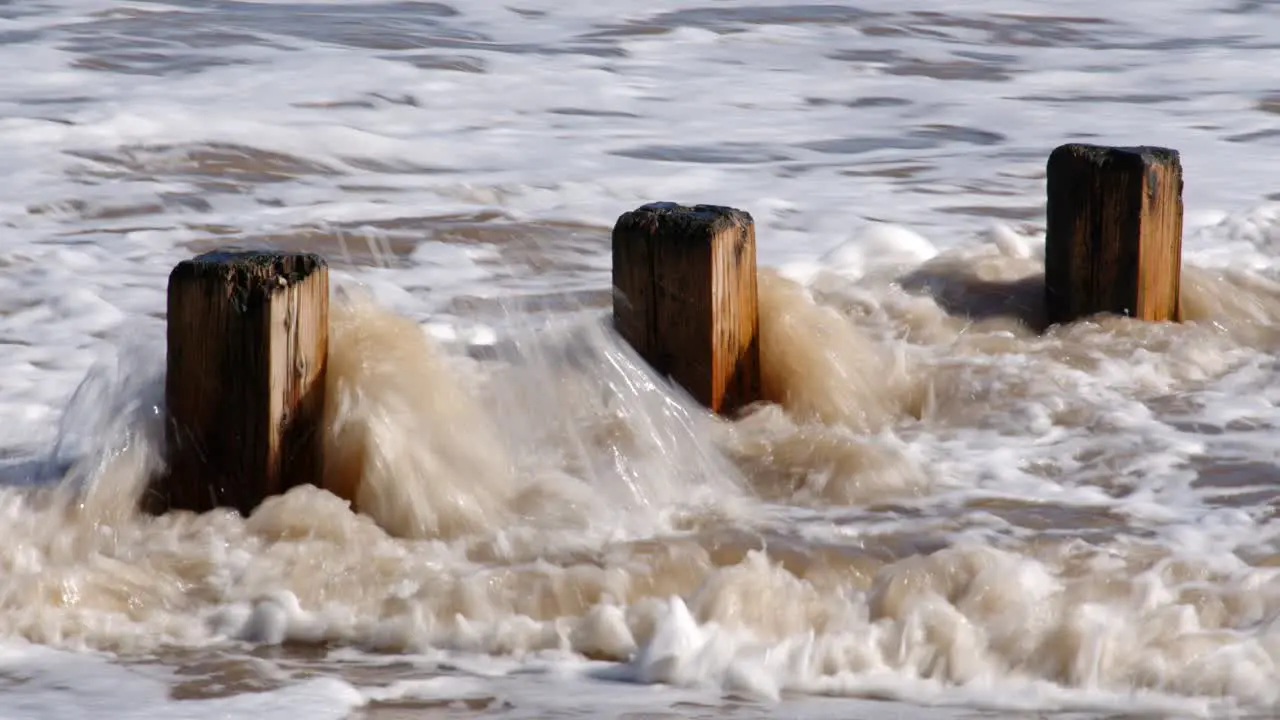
943	511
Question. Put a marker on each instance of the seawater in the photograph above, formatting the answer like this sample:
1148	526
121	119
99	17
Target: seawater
941	512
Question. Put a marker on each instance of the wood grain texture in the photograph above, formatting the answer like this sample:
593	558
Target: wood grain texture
685	297
1114	241
248	338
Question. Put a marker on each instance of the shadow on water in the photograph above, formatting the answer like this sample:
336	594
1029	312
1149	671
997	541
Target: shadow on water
31	472
960	291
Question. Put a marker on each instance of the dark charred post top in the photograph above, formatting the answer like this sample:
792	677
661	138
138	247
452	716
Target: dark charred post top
1114	236
244	388
685	297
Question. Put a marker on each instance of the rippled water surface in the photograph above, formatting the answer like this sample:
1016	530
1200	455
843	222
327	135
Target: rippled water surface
944	510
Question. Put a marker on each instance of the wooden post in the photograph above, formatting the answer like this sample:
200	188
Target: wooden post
1114	241
248	341
684	283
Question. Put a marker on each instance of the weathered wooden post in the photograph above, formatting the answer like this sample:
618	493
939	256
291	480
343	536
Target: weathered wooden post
1114	241
248	338
684	283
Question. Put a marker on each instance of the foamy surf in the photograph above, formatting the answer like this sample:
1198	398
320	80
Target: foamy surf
945	510
558	500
